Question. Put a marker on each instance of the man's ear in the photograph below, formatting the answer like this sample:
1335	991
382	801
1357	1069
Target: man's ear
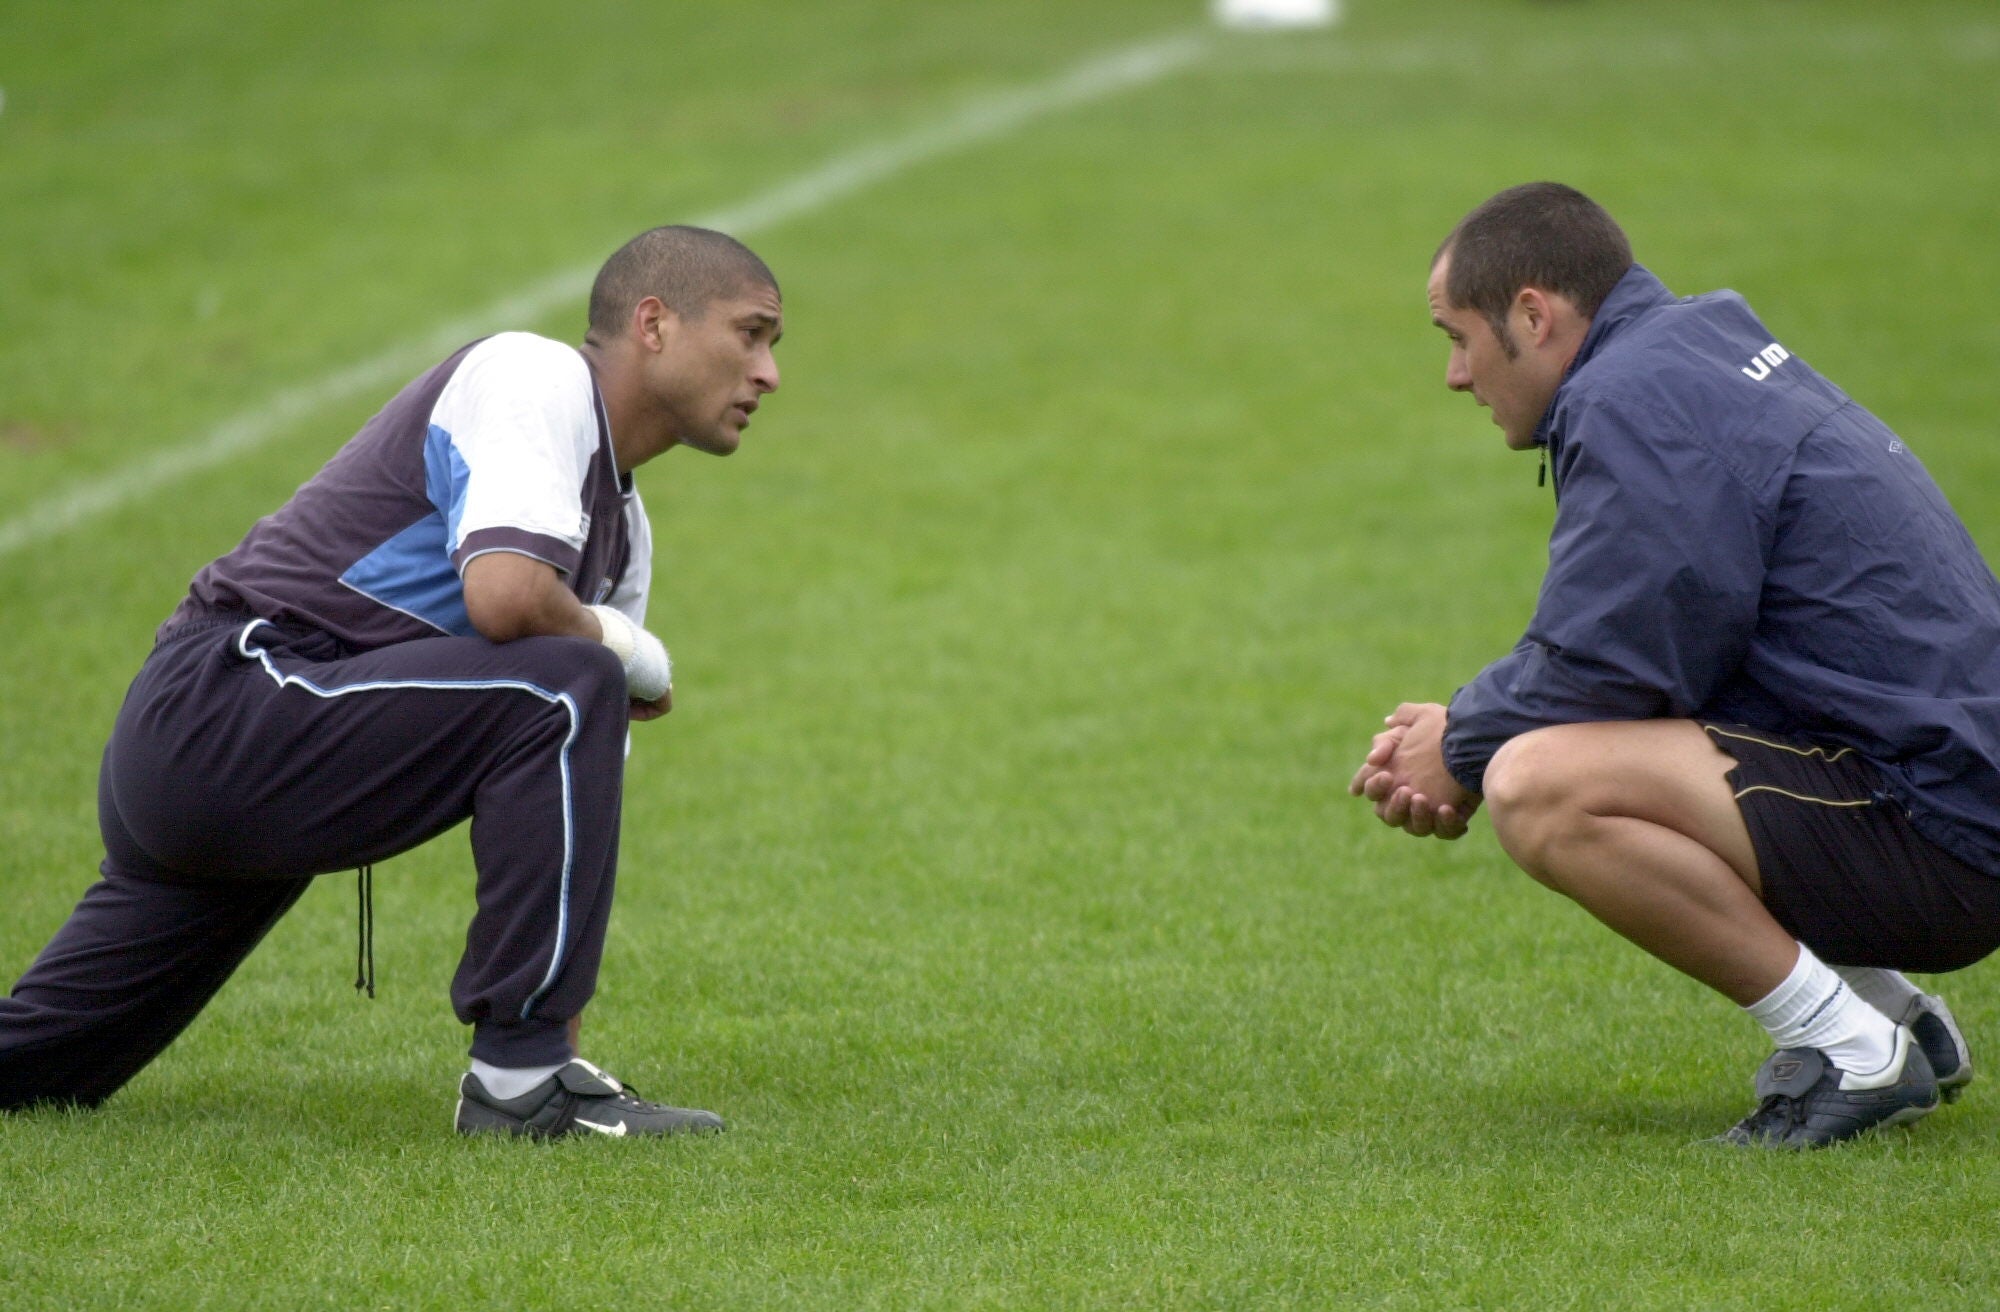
1535	313
1539	316
652	322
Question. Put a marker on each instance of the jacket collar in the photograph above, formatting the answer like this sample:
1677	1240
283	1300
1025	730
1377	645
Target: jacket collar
1636	294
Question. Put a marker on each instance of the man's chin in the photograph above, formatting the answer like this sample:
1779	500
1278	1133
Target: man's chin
723	443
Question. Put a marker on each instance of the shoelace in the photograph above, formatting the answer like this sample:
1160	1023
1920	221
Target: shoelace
1793	1110
364	944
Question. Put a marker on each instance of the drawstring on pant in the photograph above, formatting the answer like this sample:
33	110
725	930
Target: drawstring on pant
364	946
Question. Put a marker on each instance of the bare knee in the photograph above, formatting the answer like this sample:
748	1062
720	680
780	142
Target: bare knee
1533	795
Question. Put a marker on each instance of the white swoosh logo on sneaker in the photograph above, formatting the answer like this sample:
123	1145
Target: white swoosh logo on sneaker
616	1129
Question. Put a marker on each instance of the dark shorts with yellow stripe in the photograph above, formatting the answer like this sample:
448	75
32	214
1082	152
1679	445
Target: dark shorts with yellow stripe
1844	871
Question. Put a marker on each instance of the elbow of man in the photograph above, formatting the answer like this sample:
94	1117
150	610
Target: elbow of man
496	621
509	596
501	615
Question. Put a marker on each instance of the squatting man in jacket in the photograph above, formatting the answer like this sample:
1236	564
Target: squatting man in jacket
1754	724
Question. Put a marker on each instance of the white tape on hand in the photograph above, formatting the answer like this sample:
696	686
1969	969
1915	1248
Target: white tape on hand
650	676
649	671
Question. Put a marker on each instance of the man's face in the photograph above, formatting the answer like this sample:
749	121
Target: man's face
715	368
1503	373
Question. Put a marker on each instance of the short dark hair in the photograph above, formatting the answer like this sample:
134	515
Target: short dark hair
1540	234
689	269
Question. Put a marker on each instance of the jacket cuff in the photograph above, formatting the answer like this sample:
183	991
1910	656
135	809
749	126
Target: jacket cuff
1466	761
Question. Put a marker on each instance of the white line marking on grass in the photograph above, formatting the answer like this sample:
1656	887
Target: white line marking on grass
1869	42
843	176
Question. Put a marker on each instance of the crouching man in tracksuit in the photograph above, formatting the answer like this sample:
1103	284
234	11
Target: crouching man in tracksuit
1754	725
446	621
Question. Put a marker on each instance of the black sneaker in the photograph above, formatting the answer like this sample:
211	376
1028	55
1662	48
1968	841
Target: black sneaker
1937	1034
1808	1102
578	1099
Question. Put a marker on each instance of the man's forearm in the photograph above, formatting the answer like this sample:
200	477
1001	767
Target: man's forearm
509	596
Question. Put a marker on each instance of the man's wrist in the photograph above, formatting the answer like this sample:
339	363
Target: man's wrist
649	671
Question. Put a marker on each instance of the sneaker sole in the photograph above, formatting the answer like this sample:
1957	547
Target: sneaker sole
1907	1115
1949	1043
472	1119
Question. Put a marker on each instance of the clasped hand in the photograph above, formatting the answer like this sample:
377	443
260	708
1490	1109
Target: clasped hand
1405	776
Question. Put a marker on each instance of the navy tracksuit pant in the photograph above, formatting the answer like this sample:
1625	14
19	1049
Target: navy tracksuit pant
247	759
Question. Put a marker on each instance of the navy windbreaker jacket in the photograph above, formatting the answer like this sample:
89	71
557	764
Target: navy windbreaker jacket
1736	540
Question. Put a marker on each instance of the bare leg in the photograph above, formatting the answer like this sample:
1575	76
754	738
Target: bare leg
1637	823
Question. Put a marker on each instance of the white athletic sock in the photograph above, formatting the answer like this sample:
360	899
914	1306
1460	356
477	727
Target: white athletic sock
1815	1008
1885	990
509	1082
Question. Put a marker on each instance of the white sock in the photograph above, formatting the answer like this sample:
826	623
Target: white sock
1815	1008
508	1082
1884	990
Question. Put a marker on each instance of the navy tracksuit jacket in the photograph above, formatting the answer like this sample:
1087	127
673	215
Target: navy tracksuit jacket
1737	540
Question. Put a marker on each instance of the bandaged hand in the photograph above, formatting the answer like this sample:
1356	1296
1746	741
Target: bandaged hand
649	671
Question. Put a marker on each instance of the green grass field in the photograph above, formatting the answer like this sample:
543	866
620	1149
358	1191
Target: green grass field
995	875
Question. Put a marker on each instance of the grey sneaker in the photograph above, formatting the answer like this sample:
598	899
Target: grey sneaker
1808	1102
1938	1035
578	1099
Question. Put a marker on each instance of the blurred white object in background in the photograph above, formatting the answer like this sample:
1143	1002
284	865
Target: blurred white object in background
1276	13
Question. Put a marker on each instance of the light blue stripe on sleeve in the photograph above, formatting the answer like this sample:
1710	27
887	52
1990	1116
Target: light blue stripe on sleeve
445	479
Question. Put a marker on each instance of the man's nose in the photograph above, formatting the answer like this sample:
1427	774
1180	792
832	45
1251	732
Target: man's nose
765	376
1456	376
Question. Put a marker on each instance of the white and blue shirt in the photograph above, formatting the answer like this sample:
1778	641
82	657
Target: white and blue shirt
502	447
